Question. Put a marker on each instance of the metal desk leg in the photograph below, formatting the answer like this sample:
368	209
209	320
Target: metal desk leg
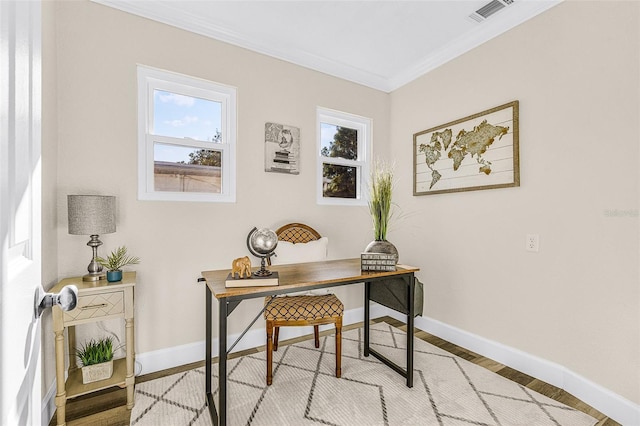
207	362
410	330
367	316
222	361
407	373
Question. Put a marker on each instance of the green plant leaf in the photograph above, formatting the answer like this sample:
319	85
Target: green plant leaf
117	259
380	193
96	351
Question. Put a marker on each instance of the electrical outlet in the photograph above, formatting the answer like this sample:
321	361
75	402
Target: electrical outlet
533	242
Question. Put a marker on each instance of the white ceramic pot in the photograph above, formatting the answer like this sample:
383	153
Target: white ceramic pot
96	372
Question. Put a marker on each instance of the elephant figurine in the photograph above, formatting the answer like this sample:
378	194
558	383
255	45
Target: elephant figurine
242	266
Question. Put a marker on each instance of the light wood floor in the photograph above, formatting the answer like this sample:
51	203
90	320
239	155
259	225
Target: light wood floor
108	407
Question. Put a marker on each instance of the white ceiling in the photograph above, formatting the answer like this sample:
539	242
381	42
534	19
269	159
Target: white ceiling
380	44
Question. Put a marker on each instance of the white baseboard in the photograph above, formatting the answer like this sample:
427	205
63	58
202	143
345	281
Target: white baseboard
607	402
185	354
614	406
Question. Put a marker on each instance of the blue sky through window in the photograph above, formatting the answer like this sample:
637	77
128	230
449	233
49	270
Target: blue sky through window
181	116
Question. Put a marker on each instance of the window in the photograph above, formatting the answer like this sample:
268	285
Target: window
186	138
344	154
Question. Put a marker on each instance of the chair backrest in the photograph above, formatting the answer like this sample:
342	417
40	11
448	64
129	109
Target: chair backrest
301	243
297	233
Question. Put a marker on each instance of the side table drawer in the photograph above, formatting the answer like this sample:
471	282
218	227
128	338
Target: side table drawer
96	305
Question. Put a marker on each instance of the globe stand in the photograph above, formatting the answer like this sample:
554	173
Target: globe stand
262	248
263	271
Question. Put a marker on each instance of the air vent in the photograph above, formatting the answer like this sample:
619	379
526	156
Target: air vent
489	9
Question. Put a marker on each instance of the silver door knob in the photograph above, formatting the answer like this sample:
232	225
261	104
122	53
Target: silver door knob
67	299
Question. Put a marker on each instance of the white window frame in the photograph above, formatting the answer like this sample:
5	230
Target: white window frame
150	79
364	128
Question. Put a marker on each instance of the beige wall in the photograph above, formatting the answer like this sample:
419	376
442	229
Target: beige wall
576	302
98	49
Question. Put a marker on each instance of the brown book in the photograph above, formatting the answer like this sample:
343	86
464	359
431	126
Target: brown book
253	281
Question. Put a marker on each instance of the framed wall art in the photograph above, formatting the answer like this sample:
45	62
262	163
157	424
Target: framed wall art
472	153
282	148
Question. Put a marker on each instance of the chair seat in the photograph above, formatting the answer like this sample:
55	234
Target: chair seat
297	308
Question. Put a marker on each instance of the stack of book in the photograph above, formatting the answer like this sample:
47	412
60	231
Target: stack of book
284	162
377	262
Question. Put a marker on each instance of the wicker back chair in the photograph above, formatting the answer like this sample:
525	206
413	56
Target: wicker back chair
302	310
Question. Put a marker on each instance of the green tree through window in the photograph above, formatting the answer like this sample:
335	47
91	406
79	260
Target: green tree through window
207	157
341	181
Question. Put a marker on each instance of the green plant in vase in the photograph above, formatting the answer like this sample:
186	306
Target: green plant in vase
380	207
116	260
96	358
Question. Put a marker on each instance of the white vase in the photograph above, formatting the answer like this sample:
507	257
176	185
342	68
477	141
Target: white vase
96	372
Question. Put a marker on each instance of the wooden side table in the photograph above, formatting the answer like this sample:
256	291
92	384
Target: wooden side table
97	301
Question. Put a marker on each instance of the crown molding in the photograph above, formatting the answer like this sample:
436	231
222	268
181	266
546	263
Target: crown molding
166	14
514	15
508	18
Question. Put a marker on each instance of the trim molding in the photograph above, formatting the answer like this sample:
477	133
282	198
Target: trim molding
169	14
519	12
607	402
163	359
179	18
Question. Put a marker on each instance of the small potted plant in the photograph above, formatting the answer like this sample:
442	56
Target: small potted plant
115	261
96	357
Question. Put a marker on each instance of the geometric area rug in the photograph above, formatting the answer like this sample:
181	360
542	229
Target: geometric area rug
447	390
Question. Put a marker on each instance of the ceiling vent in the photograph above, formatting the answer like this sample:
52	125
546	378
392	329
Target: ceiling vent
489	9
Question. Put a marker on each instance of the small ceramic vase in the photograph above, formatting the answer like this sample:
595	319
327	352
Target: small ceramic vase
113	276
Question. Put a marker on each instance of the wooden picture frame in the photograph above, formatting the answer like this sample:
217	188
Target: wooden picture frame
480	151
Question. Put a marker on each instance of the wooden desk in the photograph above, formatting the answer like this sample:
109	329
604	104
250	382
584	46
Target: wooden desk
303	276
97	301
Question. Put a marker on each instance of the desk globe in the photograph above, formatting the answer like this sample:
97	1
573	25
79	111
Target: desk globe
262	243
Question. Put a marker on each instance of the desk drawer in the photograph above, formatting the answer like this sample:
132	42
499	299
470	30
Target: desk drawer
97	305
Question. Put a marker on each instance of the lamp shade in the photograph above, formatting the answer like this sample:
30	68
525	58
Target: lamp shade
91	214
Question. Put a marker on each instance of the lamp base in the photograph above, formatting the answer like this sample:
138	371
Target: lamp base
96	273
95	276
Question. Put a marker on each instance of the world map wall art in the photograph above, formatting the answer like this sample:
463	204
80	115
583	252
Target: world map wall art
475	152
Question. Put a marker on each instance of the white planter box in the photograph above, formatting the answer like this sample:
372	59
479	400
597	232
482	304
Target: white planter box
96	372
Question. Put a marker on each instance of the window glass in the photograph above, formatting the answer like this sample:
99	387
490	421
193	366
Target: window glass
339	181
186	138
338	142
182	116
185	169
343	156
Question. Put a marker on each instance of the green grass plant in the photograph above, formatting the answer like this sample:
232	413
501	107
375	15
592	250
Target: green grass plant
96	351
380	193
